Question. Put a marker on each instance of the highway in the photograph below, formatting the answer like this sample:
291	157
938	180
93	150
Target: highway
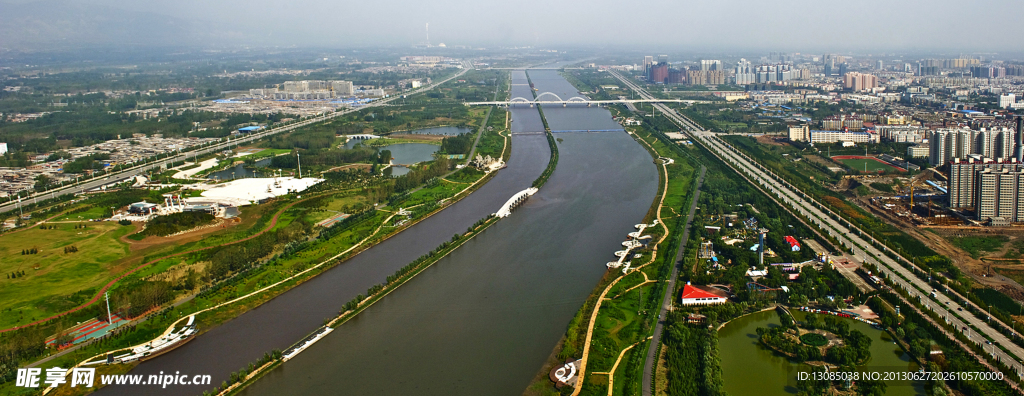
141	169
863	246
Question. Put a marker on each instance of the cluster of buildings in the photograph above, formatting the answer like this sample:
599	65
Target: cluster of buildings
710	72
992	186
1009	101
306	90
119	151
745	73
948	144
859	81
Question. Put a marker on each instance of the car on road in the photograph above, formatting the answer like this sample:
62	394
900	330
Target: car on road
959	308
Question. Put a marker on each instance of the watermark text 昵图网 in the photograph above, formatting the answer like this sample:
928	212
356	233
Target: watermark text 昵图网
86	377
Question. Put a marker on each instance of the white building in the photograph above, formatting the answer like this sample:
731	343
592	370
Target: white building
919	151
3	148
1007	101
843	136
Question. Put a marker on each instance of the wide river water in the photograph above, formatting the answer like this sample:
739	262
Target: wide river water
483	320
480	321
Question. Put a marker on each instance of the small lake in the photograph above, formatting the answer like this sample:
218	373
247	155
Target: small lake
748	368
405	153
240	172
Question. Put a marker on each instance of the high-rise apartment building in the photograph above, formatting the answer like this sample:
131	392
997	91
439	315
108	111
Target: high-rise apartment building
710	64
659	73
800	133
949	144
744	73
828	64
999	195
701	77
343	87
859	81
963	178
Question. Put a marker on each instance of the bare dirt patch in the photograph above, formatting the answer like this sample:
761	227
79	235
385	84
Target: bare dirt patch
772	140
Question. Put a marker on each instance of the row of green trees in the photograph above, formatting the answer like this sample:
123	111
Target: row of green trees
694	367
176	222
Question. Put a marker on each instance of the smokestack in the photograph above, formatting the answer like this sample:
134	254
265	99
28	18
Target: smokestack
1018	149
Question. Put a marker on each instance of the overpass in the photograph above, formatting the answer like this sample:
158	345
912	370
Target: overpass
121	175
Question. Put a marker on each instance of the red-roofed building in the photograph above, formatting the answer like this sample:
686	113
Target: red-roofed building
702	295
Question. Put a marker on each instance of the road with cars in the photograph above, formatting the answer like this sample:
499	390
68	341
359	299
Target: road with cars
864	247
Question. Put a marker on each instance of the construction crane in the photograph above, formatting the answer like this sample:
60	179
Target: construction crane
915	182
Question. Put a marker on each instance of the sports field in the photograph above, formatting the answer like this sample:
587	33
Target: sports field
869	164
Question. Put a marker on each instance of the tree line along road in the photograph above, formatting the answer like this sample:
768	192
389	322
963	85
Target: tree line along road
870	252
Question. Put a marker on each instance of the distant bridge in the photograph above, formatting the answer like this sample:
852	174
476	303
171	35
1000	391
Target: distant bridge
550	98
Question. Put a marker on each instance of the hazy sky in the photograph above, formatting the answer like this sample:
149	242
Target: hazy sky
721	25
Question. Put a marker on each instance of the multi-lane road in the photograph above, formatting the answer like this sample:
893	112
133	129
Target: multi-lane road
863	246
141	169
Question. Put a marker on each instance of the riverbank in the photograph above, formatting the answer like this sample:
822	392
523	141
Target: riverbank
604	326
504	296
222	312
360	306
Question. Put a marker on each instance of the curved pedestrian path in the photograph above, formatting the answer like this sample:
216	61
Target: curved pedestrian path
604	293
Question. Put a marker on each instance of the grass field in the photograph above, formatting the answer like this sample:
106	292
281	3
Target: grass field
55	281
859	164
975	245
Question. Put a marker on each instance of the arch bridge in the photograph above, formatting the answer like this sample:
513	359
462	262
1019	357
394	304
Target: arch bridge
551	98
516	200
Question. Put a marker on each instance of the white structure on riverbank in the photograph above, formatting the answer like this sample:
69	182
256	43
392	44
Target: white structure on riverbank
242	192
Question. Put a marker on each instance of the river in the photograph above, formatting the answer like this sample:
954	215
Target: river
288	318
748	368
483	320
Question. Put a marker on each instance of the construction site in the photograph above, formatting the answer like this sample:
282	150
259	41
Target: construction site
918	205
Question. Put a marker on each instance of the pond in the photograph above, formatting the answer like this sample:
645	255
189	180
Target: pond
240	172
748	368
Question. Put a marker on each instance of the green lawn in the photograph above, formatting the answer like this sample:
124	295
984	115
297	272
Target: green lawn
92	213
974	245
55	281
872	165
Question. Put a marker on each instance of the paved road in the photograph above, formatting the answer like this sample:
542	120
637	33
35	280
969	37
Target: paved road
863	246
141	169
666	303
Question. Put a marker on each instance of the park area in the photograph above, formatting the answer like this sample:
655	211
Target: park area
865	164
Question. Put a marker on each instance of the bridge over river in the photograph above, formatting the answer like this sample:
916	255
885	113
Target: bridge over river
551	98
